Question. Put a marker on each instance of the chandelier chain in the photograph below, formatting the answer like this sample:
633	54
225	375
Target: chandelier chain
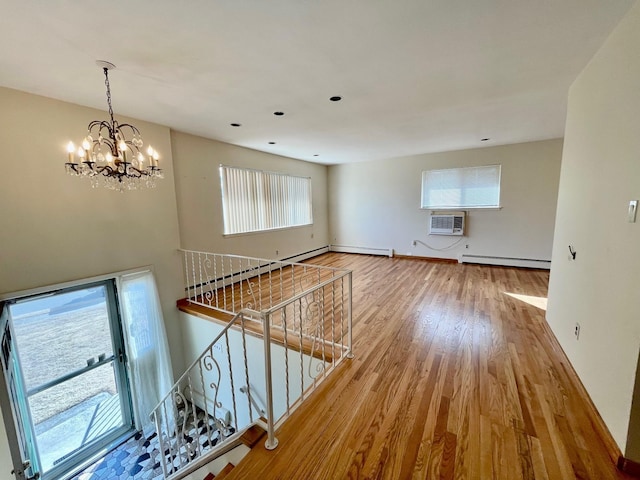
106	83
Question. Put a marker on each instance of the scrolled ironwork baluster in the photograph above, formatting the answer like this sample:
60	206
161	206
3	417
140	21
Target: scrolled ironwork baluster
173	446
246	364
233	388
207	272
185	261
200	279
193	275
205	403
192	449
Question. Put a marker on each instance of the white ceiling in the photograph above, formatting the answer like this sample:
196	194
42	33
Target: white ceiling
416	76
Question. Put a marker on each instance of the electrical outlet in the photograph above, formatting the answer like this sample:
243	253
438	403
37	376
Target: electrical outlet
413	243
277	252
466	246
576	331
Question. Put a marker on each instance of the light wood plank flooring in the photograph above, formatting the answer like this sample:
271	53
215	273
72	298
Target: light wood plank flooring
454	377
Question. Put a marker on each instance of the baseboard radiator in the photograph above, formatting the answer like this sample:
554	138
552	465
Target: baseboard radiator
306	255
505	261
387	252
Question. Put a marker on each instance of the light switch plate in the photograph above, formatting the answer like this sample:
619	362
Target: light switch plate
633	208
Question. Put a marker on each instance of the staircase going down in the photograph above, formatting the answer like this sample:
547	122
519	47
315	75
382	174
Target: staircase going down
224	464
279	329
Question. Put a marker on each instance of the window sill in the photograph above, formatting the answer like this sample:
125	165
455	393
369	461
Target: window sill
257	232
499	207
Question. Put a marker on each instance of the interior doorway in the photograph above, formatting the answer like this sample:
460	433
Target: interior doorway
64	366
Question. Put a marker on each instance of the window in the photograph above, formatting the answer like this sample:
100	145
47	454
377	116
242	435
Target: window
64	368
254	201
471	187
81	365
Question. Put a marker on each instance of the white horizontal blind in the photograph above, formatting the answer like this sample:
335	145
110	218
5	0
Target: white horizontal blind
253	200
470	187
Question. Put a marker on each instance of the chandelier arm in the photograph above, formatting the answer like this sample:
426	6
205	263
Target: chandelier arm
106	168
130	171
128	125
108	140
111	145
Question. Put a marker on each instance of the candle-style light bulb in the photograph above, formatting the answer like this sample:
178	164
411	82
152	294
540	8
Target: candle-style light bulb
150	152
108	157
123	149
71	148
85	144
81	153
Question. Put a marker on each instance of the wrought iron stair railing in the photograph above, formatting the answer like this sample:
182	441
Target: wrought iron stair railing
302	314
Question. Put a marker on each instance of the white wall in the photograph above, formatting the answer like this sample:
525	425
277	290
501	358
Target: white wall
600	174
56	228
198	335
196	161
377	204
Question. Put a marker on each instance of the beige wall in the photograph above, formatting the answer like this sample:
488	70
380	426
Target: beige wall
56	228
600	174
377	204
5	454
199	199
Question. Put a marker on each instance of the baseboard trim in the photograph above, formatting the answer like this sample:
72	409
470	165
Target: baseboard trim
387	252
629	466
428	259
597	423
506	261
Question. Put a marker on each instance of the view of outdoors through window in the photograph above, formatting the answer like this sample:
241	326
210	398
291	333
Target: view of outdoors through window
65	349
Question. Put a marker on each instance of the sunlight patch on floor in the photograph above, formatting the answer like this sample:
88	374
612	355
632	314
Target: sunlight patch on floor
538	302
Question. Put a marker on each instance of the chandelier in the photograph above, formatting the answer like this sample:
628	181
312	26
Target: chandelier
112	153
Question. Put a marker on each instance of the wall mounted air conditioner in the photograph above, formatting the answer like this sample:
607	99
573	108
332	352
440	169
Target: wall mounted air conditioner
446	224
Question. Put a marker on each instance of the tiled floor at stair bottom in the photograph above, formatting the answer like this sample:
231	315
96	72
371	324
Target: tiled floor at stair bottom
139	457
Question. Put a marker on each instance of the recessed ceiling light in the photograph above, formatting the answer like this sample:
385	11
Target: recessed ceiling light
272	143
279	114
484	139
236	124
335	99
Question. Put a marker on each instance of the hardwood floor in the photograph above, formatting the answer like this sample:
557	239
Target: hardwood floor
455	376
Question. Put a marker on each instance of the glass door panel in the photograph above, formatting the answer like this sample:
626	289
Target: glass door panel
15	409
70	348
